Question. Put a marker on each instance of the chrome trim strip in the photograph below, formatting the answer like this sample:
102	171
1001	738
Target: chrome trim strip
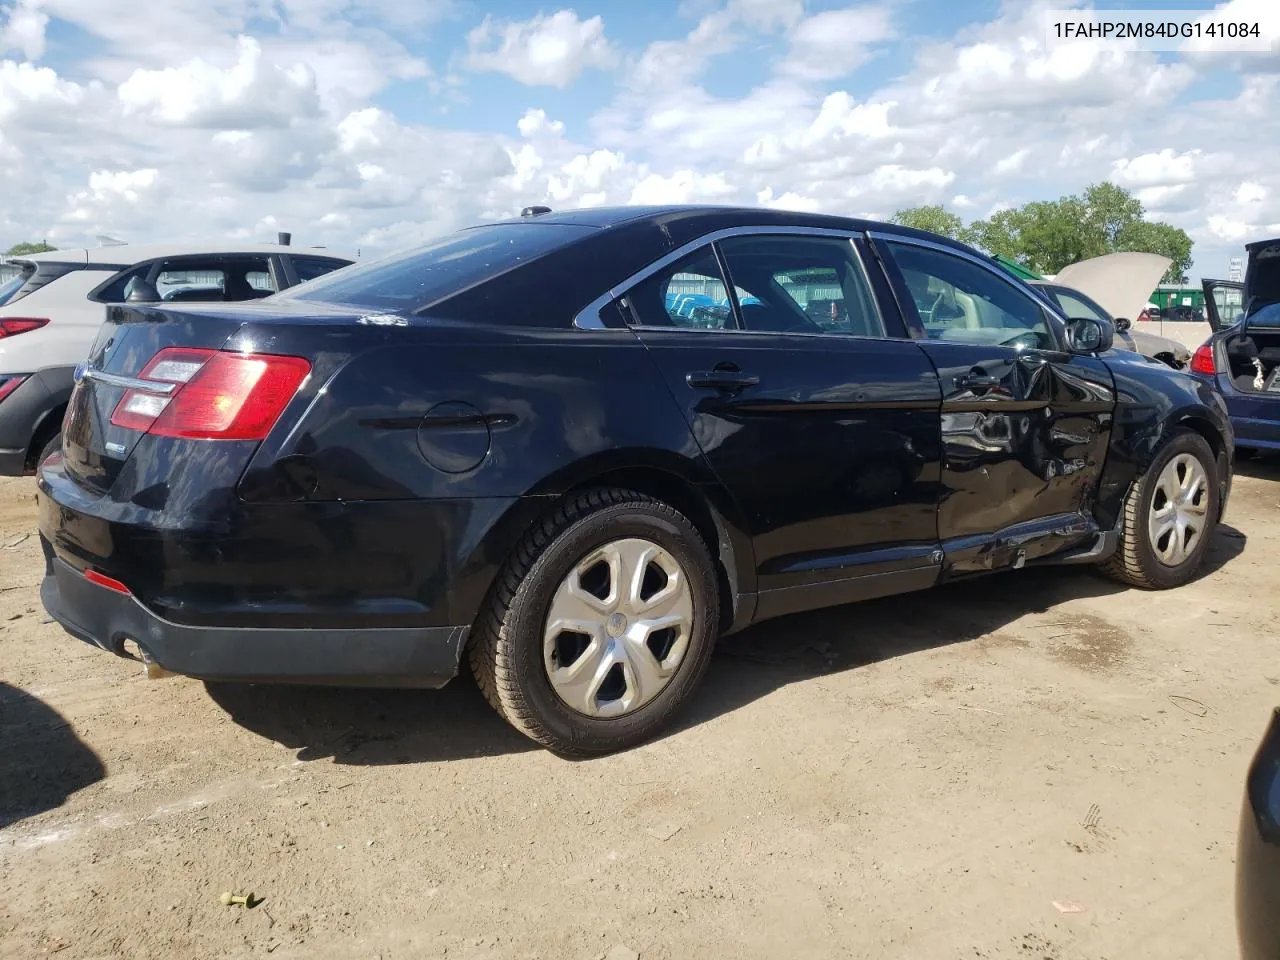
588	318
131	383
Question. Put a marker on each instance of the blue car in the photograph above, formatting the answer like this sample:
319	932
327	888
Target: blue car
1242	357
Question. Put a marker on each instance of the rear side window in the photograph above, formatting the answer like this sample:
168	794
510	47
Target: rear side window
690	293
417	278
34	275
9	287
308	268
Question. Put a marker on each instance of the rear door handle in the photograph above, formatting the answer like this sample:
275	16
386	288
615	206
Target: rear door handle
720	380
970	381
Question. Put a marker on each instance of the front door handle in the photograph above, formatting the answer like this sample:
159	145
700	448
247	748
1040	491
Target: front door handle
973	381
720	379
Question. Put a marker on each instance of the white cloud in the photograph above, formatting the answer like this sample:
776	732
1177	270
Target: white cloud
1156	169
535	122
1249	192
247	95
836	42
544	51
23	29
1013	162
683	186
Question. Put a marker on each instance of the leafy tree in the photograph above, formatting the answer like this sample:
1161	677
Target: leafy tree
1108	209
935	218
1048	235
1143	236
21	249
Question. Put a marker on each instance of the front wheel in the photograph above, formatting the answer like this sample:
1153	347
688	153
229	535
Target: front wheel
600	626
1168	516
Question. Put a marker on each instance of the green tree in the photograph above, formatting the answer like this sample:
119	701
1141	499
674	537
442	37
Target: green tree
1108	209
935	218
22	249
1046	235
1143	236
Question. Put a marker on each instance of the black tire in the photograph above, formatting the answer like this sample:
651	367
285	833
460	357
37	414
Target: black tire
506	651
1135	561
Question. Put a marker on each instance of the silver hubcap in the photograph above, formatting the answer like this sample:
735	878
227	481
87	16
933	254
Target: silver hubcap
618	628
1179	509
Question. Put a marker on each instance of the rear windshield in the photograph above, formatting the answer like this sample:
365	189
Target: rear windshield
415	279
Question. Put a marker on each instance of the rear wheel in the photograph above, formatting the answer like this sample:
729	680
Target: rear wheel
600	626
1169	515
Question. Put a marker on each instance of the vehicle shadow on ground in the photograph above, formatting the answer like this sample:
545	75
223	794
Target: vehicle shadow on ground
375	727
754	663
42	761
1261	466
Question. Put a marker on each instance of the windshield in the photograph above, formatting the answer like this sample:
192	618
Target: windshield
417	278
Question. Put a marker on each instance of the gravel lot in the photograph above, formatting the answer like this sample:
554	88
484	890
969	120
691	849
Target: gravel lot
1035	765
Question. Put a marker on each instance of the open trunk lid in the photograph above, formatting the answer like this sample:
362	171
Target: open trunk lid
1262	285
94	449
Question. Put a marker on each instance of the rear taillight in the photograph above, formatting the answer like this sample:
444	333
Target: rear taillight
214	395
1202	360
12	326
10	384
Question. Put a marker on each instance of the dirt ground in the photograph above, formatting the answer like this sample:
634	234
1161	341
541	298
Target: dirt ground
1036	765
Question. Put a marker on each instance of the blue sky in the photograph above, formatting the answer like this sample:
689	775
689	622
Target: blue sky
373	124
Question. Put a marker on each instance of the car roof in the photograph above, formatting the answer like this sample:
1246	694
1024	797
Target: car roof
706	218
1261	243
127	254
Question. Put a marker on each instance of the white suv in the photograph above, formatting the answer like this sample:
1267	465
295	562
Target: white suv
50	312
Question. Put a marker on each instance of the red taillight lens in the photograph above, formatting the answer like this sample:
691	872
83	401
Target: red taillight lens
10	384
102	580
1202	359
218	396
12	326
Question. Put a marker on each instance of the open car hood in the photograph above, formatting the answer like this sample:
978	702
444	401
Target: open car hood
1121	283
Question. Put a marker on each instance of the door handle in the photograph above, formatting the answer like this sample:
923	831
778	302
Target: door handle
971	381
720	379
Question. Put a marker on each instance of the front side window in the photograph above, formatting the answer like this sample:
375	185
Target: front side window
1077	307
960	301
798	284
689	293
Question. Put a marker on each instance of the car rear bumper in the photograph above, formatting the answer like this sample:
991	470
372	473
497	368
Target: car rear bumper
1258	854
383	657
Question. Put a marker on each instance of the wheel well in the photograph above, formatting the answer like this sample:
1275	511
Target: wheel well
1206	430
675	491
48	429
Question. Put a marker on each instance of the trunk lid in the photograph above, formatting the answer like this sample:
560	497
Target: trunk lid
94	449
1262	285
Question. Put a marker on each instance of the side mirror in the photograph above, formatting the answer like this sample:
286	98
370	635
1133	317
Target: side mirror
1122	324
1087	335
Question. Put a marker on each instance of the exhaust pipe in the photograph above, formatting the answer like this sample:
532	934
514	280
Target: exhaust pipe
133	650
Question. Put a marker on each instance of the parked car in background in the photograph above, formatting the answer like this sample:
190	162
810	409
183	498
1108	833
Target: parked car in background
1116	287
1258	853
51	311
1075	303
1242	357
514	447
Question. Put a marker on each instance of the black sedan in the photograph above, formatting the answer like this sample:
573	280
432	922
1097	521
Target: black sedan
1258	853
518	445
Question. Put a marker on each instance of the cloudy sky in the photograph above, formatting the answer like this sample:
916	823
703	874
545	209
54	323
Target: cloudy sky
373	124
